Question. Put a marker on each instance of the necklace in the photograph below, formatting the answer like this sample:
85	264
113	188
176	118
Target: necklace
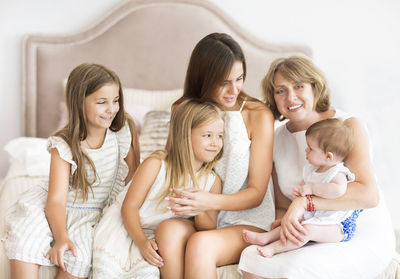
88	144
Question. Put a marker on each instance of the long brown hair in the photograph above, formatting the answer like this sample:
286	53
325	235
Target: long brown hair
210	63
178	156
297	69
84	80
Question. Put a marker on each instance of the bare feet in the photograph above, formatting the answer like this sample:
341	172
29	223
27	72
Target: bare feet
266	251
255	237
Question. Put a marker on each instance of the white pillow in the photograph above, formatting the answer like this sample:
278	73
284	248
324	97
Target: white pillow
137	103
28	156
154	99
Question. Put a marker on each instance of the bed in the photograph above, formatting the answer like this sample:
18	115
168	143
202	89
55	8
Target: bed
148	44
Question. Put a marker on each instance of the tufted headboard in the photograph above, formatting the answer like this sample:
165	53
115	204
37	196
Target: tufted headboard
147	42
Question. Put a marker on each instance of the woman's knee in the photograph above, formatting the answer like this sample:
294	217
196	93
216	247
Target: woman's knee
173	231
199	243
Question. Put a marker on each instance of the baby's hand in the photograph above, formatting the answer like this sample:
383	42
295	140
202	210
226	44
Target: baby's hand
302	190
149	252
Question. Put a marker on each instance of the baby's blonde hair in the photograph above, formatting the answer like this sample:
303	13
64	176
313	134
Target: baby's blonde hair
178	156
333	136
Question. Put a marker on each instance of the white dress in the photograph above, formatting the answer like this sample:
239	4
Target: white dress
115	255
233	169
28	236
367	254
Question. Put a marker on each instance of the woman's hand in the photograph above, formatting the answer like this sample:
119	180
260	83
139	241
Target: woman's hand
148	249
190	202
56	253
291	229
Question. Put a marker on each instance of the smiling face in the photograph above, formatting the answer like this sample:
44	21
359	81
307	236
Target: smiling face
230	87
101	107
207	141
294	100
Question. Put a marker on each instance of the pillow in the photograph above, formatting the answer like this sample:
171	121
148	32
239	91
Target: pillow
28	156
154	132
137	103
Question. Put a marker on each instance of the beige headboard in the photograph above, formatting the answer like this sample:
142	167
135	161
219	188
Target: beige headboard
148	44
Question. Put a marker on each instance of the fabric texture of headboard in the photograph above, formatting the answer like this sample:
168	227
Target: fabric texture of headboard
147	42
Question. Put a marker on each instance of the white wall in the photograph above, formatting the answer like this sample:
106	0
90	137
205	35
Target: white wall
356	43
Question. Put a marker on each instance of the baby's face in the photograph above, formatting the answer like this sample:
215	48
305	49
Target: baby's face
314	154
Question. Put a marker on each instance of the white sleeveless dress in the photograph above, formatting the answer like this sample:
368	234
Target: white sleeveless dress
115	255
366	255
28	235
233	169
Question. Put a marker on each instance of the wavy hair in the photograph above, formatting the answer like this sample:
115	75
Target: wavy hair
84	80
296	69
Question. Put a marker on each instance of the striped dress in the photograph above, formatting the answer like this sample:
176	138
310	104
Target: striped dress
28	234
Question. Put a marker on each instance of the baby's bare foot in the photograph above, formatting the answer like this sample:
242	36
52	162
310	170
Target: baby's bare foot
266	251
254	237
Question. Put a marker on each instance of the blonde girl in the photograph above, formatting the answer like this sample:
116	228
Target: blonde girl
216	71
92	158
125	247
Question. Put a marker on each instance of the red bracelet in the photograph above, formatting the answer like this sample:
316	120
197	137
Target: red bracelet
310	203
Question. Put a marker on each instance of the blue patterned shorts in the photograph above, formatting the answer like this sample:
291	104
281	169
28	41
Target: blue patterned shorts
349	225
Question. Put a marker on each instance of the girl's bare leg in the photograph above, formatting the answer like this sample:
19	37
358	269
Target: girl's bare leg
261	238
65	275
318	233
250	276
208	249
20	269
171	237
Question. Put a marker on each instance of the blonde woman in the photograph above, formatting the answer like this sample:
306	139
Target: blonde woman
125	247
92	158
296	90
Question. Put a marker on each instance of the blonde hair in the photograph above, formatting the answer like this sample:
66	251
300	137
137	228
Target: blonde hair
178	156
84	80
333	136
296	69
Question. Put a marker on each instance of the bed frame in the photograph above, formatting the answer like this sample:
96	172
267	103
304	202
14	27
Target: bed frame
147	42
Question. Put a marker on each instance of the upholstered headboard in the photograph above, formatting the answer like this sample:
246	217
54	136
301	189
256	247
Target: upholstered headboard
147	42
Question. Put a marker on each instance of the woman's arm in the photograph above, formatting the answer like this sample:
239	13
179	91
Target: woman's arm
133	157
140	186
261	128
55	209
208	219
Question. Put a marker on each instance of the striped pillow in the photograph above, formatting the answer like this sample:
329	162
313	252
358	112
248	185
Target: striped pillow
154	133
